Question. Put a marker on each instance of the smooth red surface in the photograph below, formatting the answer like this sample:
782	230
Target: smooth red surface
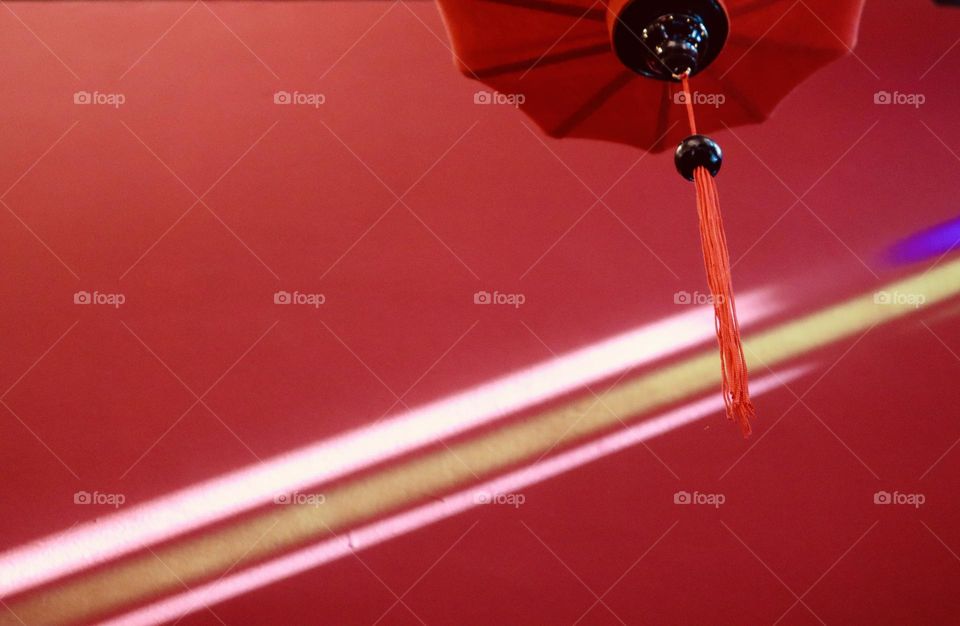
491	205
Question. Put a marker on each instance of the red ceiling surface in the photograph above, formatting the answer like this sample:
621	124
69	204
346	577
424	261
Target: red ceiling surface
187	193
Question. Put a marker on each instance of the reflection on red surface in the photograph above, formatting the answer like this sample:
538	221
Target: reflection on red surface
232	585
212	500
931	243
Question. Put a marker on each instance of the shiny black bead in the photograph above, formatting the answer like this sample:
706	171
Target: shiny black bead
696	151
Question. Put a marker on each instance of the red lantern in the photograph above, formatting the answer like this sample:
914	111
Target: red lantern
616	71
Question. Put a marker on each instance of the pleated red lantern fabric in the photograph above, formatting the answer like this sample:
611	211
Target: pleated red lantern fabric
622	70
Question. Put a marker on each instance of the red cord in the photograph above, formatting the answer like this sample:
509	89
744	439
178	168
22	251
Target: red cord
716	261
687	100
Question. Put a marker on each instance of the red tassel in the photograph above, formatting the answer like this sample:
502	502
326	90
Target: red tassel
716	261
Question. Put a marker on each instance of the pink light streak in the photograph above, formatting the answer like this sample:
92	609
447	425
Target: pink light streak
92	543
236	584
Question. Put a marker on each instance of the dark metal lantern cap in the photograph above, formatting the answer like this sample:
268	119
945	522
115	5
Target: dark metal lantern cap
665	38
